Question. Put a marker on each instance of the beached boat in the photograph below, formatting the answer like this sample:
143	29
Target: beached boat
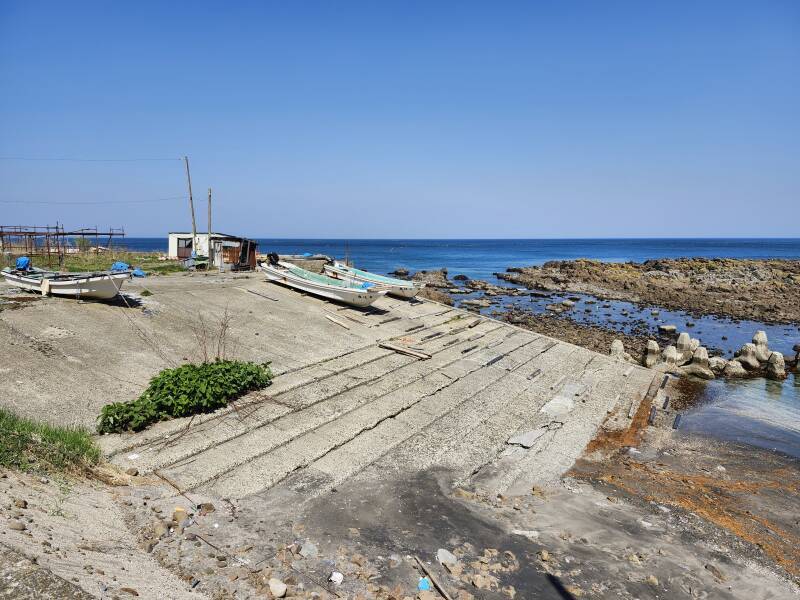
102	285
361	295
397	287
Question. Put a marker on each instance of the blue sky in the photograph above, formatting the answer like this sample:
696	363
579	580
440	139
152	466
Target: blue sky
405	119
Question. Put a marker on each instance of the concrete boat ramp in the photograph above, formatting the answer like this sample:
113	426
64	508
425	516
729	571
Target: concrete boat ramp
341	406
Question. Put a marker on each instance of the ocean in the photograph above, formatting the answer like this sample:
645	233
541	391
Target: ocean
481	258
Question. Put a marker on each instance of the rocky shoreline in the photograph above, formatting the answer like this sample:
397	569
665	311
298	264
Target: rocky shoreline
761	290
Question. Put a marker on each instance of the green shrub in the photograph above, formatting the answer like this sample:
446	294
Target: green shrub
31	446
186	390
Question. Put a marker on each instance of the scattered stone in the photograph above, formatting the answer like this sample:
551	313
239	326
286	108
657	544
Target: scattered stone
427	595
336	578
481	581
309	550
652	580
160	529
20	503
543	555
667	328
128	590
445	557
132	471
206	508
277	588
17	526
180	516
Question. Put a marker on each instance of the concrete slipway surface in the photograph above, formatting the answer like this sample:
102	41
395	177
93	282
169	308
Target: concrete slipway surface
339	403
349	433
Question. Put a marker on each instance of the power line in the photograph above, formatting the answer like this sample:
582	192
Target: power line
95	202
29	158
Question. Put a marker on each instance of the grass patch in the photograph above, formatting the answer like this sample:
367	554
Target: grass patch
91	261
27	445
186	390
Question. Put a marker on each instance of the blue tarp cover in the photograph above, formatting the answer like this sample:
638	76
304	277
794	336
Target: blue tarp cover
23	263
139	273
120	266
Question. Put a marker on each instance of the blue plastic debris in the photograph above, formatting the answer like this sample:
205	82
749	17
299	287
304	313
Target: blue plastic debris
120	266
424	584
23	263
366	285
137	272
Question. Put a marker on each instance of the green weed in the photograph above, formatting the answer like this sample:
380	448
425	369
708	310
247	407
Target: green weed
27	445
186	390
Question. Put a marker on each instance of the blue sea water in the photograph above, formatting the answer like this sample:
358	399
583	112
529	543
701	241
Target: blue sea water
481	258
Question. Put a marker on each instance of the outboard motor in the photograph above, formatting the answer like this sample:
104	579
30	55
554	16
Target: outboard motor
273	258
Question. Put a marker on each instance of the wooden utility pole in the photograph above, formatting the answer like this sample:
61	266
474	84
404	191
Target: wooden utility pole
191	205
210	254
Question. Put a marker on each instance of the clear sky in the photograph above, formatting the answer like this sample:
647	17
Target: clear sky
405	119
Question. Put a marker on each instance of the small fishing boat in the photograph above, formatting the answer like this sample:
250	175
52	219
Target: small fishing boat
397	287
102	285
354	294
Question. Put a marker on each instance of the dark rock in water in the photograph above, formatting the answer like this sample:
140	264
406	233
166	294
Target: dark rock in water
400	272
437	279
461	278
437	295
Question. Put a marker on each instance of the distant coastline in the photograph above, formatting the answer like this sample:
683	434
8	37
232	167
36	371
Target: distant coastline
481	258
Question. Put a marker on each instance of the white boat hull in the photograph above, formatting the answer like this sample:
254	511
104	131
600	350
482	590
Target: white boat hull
352	296
399	291
96	287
